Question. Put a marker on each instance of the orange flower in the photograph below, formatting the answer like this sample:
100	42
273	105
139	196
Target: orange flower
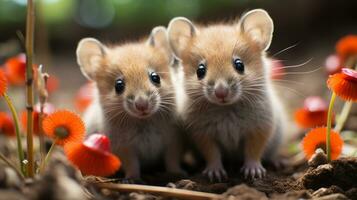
15	69
313	114
316	138
344	84
84	96
64	126
6	124
93	156
52	84
3	83
346	47
48	109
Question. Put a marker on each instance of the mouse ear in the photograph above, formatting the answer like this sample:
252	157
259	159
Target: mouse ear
89	54
258	25
158	37
180	32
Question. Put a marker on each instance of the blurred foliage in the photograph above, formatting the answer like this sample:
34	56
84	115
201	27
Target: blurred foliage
102	13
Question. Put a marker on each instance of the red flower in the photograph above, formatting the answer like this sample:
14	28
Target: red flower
64	126
84	96
7	126
313	114
316	138
344	84
48	109
52	84
15	69
346	47
3	83
93	156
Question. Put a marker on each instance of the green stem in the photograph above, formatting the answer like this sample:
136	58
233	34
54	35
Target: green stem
17	131
30	19
48	156
342	118
345	110
10	164
329	124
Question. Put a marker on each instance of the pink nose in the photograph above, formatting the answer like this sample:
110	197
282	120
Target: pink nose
221	92
141	105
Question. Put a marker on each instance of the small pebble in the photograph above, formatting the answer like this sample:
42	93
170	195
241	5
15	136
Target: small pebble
319	158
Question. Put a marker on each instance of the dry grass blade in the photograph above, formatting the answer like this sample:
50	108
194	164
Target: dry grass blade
163	191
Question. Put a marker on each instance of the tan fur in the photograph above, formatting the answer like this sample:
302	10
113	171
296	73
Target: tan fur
138	141
251	115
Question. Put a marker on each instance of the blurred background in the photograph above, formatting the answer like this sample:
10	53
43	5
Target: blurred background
310	28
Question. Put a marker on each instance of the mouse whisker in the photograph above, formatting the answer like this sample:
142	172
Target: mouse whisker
291	89
298	65
288	82
286	49
299	73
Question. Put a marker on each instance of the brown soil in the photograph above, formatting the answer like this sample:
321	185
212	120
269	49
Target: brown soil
336	180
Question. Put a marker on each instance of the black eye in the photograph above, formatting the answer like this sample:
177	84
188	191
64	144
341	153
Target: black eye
155	78
238	65
119	86
201	71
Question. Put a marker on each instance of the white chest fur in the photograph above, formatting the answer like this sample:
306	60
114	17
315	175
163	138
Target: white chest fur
228	125
148	138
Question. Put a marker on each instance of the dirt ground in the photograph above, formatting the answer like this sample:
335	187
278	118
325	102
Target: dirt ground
315	180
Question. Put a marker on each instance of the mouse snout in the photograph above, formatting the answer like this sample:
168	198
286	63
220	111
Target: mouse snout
221	91
141	104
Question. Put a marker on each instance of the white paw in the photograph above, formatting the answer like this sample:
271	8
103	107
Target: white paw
253	169
215	173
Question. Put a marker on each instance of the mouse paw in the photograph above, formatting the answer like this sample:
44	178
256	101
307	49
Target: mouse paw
253	169
215	172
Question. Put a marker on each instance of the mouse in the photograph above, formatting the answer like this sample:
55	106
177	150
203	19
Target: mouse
134	101
232	111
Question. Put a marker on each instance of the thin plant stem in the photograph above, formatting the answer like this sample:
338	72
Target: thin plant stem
29	84
329	124
343	116
345	111
10	164
41	136
20	151
164	191
48	156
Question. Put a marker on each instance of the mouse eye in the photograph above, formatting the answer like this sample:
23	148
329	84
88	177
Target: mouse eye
155	78
119	86
201	71
238	65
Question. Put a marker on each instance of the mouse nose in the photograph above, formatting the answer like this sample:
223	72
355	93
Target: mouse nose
141	104
221	92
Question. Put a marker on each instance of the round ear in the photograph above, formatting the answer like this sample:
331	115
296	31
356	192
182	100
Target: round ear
90	52
258	25
158	39
180	32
